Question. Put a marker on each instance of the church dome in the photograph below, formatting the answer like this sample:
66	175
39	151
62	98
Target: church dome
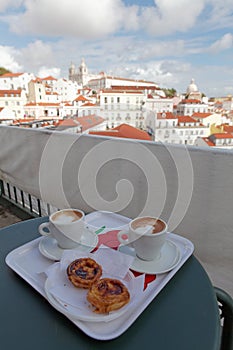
192	87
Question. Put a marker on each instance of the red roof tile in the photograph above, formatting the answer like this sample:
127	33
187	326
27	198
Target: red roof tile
10	92
88	104
81	98
190	101
228	128
209	143
89	121
201	115
185	119
43	104
10	75
166	115
49	78
124	131
222	136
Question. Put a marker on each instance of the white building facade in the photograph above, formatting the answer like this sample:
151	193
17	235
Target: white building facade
14	100
169	128
189	107
119	106
15	81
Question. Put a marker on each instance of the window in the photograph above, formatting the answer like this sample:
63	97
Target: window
118	99
105	100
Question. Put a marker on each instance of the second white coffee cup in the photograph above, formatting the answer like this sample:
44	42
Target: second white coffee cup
66	226
146	235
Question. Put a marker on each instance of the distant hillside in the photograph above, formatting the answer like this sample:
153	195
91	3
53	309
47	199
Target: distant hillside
4	71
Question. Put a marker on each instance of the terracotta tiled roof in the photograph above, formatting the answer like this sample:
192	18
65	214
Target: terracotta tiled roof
51	93
68	122
89	121
166	115
134	87
37	80
10	75
49	78
185	119
122	91
124	131
228	128
24	120
10	92
190	101
88	104
81	98
43	104
209	143
222	135
201	115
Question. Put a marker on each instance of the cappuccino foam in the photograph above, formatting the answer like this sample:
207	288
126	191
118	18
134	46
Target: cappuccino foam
144	229
66	217
148	225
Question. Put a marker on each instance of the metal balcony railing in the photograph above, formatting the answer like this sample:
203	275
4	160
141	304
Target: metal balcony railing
190	187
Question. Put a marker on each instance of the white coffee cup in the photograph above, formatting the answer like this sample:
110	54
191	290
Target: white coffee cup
66	226
146	235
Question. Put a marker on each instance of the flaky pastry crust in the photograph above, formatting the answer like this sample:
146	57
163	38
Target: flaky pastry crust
108	294
84	272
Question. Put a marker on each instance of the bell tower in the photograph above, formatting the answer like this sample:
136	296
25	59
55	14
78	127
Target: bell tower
72	72
83	72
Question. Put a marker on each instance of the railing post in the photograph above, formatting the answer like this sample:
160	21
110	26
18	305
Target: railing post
2	191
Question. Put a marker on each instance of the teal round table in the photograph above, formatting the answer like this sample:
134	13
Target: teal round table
183	316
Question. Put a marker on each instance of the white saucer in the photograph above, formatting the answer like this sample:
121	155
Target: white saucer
168	260
78	307
49	248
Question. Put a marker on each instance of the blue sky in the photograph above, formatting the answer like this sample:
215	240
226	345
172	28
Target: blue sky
165	41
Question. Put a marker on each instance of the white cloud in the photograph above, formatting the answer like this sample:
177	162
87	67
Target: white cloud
78	18
224	43
45	72
220	15
9	58
38	55
4	4
37	58
169	16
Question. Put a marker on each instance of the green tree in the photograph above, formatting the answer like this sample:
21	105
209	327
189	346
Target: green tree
4	71
169	92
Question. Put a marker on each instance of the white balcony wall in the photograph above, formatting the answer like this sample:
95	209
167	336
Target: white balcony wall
190	187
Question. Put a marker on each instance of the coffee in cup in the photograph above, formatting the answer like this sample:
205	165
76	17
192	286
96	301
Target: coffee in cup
146	235
66	226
